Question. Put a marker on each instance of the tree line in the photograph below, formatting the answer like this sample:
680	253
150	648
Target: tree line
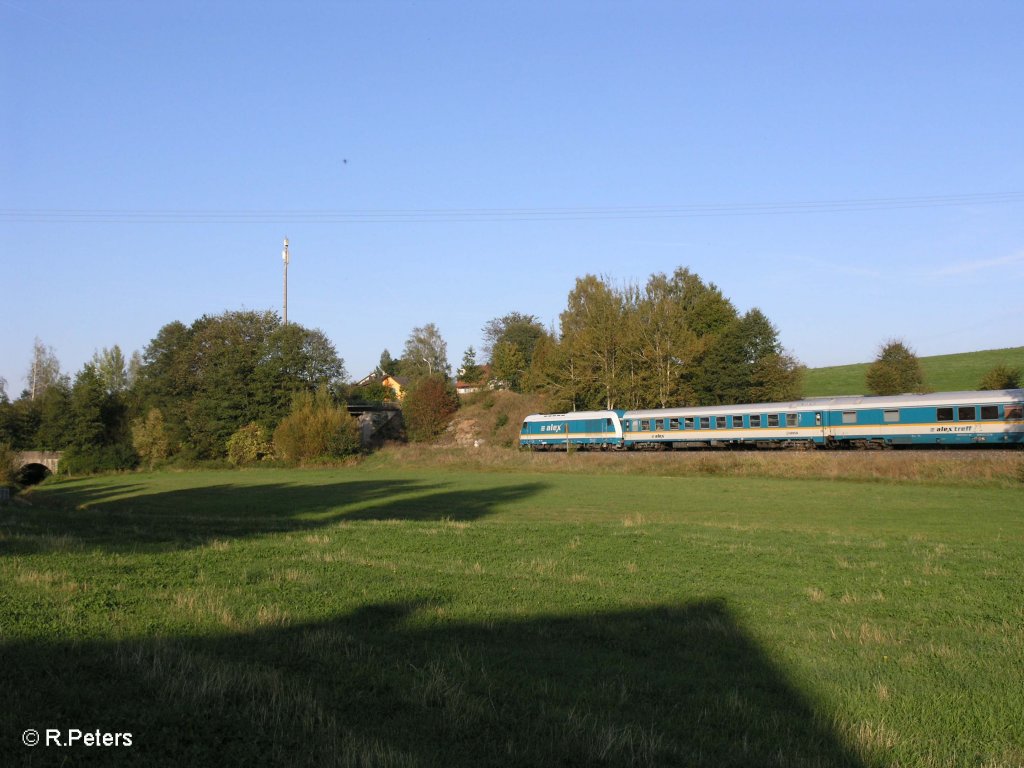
676	340
244	386
183	397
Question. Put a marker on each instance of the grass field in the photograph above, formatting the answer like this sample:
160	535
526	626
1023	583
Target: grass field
387	616
943	373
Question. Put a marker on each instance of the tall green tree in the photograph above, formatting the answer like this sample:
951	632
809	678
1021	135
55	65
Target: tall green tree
228	370
54	429
98	435
387	365
470	372
224	357
665	342
294	359
592	330
776	378
165	381
508	365
744	362
516	328
553	373
111	367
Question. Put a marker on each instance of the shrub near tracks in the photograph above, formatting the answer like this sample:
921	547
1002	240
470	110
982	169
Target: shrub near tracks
379	616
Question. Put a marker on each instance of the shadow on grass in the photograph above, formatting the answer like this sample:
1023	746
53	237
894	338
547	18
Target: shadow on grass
392	685
133	516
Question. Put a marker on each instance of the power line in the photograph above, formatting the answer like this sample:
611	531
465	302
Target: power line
469	215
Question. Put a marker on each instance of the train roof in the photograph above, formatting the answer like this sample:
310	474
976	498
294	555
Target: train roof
846	401
574	416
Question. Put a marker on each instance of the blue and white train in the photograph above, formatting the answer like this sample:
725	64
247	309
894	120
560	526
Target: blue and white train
993	418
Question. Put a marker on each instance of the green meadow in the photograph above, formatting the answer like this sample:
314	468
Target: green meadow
377	615
942	373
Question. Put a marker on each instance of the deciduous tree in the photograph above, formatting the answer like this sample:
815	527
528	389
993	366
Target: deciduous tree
232	369
428	406
895	371
43	371
592	328
508	366
110	366
520	330
425	353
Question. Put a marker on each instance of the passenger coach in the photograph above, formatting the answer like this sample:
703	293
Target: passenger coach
946	418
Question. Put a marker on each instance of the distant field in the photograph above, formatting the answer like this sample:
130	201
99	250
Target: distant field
380	616
943	373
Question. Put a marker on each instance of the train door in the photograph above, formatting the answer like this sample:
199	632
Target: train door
819	424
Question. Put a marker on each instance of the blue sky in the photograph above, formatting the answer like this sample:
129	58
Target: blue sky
451	162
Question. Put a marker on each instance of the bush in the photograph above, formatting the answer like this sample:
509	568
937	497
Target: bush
1001	377
8	464
104	458
249	445
896	371
316	429
149	438
428	407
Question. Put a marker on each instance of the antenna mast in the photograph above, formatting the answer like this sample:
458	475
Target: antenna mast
284	256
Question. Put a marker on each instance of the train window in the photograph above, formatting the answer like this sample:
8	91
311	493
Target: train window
526	428
1013	412
659	425
645	424
966	413
944	414
890	415
673	423
755	420
688	422
719	422
849	417
705	422
792	419
990	412
773	419
609	425
737	422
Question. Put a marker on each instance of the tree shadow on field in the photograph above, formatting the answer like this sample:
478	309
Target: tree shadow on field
131	516
393	685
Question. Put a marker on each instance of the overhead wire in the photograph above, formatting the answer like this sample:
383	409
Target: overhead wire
470	215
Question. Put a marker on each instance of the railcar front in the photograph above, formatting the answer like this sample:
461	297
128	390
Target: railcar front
600	430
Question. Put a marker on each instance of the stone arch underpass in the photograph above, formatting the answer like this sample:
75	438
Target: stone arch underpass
29	462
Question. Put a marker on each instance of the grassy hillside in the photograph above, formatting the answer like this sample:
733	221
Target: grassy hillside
943	373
